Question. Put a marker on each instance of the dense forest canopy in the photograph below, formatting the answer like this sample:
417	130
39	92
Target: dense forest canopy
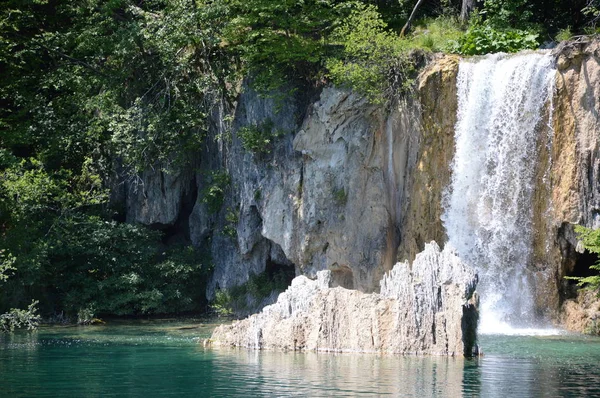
90	87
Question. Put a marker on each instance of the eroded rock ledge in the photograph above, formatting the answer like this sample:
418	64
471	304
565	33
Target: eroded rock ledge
430	309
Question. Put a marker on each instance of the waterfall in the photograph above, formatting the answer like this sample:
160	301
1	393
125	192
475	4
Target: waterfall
502	103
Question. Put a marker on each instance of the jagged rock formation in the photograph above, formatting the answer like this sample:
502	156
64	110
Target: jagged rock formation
582	314
430	309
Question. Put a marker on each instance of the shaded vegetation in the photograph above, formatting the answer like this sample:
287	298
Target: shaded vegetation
255	290
20	319
258	138
591	242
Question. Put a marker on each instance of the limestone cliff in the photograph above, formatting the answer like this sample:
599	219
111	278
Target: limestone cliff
428	308
434	132
576	168
352	188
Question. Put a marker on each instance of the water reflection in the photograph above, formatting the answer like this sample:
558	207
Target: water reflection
312	374
163	361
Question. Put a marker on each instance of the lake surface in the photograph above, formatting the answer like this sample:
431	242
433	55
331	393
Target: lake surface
166	359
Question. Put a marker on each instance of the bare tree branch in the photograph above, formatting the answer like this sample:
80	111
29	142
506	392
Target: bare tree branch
406	26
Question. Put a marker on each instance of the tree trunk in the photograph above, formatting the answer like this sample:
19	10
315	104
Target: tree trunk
467	7
412	16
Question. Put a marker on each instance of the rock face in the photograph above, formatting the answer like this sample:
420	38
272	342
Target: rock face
575	172
567	172
352	188
429	310
324	198
582	314
433	154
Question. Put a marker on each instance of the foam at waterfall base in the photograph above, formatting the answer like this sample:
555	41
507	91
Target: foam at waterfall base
494	327
488	216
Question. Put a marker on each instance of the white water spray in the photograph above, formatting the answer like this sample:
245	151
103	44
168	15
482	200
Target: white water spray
488	206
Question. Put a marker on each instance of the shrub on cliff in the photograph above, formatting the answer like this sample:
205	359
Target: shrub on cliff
374	61
481	38
591	242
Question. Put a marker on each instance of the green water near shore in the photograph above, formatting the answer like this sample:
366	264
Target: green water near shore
161	358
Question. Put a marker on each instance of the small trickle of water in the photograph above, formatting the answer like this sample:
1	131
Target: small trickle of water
488	206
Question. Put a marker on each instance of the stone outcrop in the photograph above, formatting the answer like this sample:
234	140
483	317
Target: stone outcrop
582	314
430	309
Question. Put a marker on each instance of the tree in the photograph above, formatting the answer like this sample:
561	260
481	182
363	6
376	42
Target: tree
466	9
85	86
407	25
282	41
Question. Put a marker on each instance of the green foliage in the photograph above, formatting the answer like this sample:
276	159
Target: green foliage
257	288
213	194
20	319
85	262
591	242
484	39
221	305
6	264
437	34
564	34
281	41
258	138
372	61
123	78
231	221
592	12
508	14
340	196
28	189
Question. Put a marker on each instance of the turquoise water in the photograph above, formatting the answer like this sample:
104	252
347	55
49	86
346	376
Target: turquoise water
166	359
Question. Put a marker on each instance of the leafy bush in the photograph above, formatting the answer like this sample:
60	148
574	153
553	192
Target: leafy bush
592	13
258	138
281	41
231	221
221	305
20	319
6	264
213	193
484	39
257	288
508	14
437	34
373	61
564	34
87	264
591	242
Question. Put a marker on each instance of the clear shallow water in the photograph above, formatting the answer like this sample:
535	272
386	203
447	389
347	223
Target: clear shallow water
167	359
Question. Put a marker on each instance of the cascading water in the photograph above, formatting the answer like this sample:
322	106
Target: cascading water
488	206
